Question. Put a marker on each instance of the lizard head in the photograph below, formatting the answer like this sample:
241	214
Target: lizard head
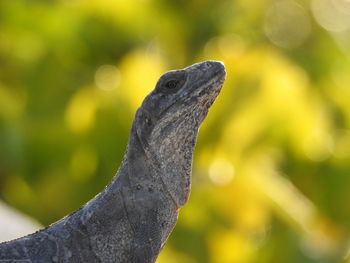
168	120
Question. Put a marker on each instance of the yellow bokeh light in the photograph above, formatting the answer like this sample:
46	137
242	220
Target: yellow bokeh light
230	247
221	171
140	72
331	15
81	110
107	77
287	24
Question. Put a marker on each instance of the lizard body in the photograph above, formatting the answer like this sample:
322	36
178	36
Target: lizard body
131	219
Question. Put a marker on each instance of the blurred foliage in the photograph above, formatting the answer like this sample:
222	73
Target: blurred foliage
271	168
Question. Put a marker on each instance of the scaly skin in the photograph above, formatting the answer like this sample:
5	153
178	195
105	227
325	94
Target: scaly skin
132	218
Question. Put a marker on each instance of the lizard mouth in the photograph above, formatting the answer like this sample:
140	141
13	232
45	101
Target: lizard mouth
204	90
205	77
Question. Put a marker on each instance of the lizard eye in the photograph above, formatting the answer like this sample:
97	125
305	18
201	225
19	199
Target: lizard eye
171	84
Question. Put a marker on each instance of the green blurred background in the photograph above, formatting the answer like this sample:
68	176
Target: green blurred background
271	168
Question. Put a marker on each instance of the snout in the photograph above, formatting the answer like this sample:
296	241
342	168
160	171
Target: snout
210	67
216	66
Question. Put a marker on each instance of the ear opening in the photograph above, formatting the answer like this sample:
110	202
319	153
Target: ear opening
144	126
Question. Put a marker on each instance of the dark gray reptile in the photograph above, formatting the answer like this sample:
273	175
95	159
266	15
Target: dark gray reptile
132	218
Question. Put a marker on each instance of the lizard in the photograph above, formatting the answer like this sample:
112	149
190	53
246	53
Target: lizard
131	219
